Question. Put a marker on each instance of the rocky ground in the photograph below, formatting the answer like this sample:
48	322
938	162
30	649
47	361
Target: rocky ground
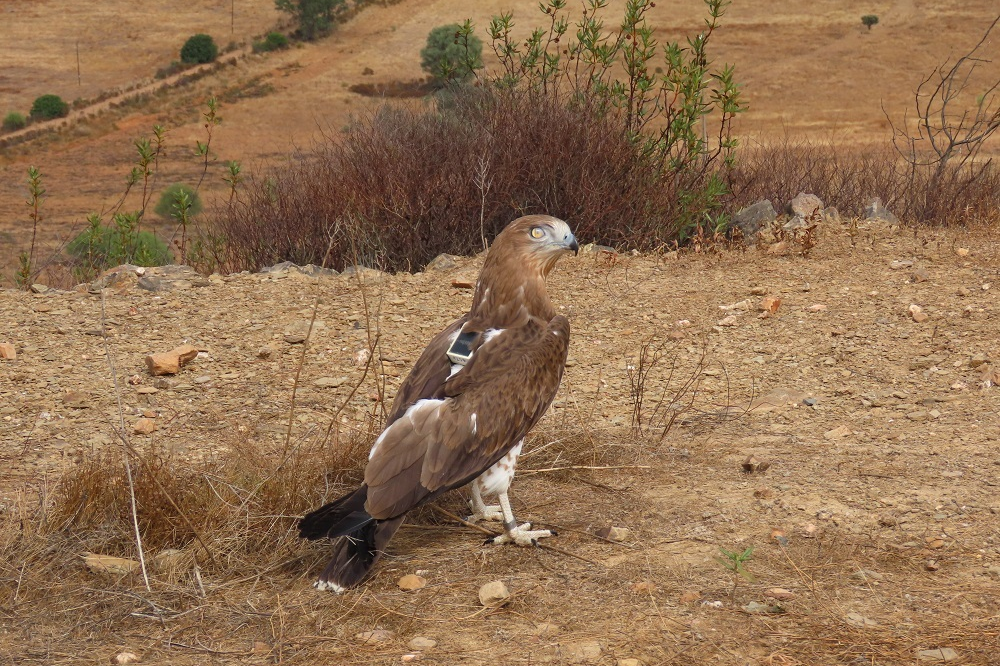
847	437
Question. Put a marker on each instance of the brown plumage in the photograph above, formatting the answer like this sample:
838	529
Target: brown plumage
463	411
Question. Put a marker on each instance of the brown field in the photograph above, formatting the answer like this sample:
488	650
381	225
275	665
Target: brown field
885	488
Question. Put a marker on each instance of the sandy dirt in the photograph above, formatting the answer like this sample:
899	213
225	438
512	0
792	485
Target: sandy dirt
878	434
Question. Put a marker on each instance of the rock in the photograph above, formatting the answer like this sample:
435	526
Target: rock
170	363
144	426
107	564
859	621
125	658
816	307
629	661
375	636
866	575
920	275
294	338
804	205
411	582
752	465
312	270
76	399
546	629
494	594
831	214
978	360
779	593
644	587
689	596
962	251
876	211
770	304
421	643
442	262
7	351
407	658
917	313
753	218
612	533
329	382
755	608
583	652
837	433
937	654
746	304
170	560
731	320
463	283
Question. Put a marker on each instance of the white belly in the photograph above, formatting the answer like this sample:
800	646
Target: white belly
497	479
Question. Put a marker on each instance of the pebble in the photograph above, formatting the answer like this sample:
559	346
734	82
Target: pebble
779	593
329	382
421	643
837	433
375	636
7	351
170	362
917	313
629	661
937	654
126	658
144	426
859	621
494	594
411	582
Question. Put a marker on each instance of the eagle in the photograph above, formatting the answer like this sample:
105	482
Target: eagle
461	415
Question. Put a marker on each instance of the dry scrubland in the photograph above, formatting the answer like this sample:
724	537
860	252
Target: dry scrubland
884	488
873	518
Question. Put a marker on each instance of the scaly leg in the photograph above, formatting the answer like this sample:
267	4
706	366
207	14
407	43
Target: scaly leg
522	535
480	510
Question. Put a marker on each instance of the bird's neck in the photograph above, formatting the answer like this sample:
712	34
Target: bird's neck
508	293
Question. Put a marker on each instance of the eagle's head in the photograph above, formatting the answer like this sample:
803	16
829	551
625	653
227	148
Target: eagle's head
538	241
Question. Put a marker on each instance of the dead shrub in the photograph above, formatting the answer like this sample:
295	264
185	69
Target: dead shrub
401	185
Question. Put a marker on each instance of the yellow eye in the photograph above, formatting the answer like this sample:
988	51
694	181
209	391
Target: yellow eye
537	232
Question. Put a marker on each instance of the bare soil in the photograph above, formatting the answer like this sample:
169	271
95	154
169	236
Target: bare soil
876	508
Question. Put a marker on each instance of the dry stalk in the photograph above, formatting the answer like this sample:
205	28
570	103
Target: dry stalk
124	438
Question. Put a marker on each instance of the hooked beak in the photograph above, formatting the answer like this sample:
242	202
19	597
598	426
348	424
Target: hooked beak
569	242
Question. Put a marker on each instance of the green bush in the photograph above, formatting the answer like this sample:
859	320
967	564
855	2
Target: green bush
315	17
14	121
102	247
47	107
452	53
198	49
869	20
274	41
171	199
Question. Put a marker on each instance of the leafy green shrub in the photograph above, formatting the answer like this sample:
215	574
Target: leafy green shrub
14	121
101	247
868	20
274	41
315	17
198	49
47	107
173	198
452	53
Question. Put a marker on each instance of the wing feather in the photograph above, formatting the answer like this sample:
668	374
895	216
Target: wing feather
508	384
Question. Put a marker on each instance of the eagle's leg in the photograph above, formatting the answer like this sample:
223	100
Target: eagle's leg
522	535
480	510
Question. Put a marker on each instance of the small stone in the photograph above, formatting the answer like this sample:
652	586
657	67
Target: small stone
329	382
837	433
39	288
411	582
770	304
612	533
107	564
407	658
644	587
375	636
937	654
917	313
264	353
689	596
919	275
899	264
859	621
629	661
758	291
463	283
421	643
147	390
144	426
978	360
931	565
963	291
494	594
816	307
752	465
962	251
7	351
442	262
731	320
779	593
585	651
755	607
125	658
76	399
295	338
170	363
866	575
